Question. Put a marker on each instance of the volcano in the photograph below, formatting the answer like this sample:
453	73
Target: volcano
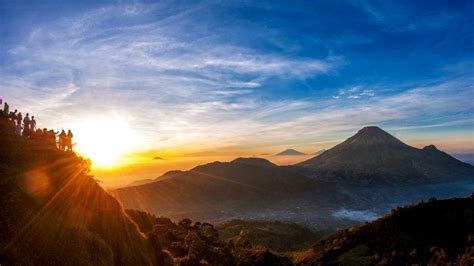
374	155
289	152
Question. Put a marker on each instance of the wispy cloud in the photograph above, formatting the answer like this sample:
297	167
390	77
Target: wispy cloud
354	92
444	100
112	54
182	79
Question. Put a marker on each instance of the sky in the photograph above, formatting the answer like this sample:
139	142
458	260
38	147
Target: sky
243	77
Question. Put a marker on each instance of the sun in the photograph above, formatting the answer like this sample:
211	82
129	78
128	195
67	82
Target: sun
105	141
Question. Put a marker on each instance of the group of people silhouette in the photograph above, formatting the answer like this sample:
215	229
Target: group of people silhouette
26	127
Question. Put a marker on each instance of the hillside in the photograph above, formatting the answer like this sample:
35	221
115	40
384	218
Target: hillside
438	232
372	155
196	243
54	213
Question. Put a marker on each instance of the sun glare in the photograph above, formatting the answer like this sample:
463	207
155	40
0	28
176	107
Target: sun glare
105	141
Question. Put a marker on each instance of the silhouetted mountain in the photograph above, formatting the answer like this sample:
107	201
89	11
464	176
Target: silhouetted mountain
169	174
140	182
432	233
289	152
373	155
54	213
254	161
219	190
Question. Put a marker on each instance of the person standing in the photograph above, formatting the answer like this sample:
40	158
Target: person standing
69	140
6	109
62	140
33	124
19	117
26	125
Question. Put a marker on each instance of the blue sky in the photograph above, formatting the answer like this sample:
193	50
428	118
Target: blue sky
220	75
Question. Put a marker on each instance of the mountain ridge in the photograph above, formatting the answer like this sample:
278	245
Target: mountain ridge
209	191
254	161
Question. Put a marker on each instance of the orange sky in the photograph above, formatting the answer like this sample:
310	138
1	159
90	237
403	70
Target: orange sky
141	165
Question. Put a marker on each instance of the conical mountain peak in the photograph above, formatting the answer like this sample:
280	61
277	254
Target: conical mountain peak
372	129
373	135
373	154
290	152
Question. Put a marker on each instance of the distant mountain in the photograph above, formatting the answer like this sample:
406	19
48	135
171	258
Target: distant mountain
289	152
140	182
254	161
319	152
222	190
169	174
438	232
373	155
